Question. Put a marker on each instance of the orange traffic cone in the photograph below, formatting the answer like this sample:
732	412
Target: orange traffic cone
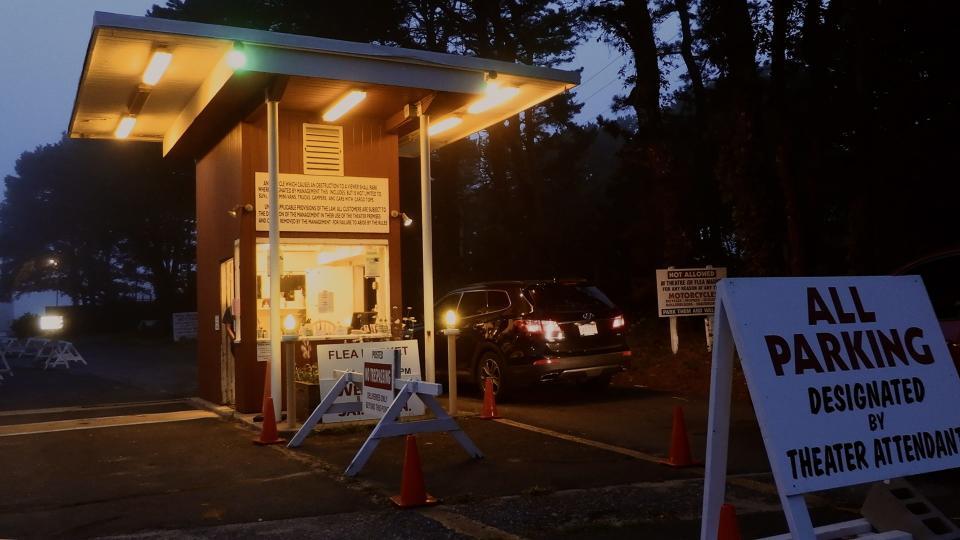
489	401
729	529
412	491
679	444
268	434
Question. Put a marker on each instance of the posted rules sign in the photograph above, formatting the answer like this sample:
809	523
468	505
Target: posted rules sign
850	377
687	292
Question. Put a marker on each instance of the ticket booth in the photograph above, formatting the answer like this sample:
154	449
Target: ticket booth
324	124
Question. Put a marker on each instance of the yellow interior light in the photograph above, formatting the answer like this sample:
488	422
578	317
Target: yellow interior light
158	65
343	105
450	319
494	95
236	59
289	322
444	125
125	126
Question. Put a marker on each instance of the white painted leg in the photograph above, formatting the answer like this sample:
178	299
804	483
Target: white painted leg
718	424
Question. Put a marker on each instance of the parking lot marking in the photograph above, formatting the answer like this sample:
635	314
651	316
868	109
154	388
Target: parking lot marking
103	422
128	405
459	523
573	438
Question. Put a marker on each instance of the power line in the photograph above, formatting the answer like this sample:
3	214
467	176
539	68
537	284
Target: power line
601	71
611	81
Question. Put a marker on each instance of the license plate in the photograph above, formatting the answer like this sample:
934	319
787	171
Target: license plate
587	329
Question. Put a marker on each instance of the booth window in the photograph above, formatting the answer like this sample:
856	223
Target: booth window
328	290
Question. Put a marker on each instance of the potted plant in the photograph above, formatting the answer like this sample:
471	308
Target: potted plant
307	378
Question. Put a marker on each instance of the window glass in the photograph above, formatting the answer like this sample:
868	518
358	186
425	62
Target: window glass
326	290
497	300
566	297
472	303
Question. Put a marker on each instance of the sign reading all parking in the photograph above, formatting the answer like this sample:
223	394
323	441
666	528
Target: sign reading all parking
687	292
851	378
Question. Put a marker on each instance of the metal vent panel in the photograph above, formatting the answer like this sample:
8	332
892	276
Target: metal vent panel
323	149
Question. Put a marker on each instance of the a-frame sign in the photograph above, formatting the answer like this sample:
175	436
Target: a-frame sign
850	378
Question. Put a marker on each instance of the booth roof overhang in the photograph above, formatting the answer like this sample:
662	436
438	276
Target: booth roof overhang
204	91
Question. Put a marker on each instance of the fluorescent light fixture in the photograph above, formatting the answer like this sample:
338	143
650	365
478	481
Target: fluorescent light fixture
125	126
236	59
338	254
51	322
493	96
345	103
445	124
158	65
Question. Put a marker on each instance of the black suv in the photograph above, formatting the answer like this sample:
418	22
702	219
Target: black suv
524	332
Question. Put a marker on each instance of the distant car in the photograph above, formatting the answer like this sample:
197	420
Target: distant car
521	333
941	276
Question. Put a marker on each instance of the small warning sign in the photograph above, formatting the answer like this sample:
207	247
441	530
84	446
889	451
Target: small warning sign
377	387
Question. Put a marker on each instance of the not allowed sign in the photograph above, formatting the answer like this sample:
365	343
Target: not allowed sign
687	292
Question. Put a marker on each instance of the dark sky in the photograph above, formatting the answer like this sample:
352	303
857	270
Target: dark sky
43	43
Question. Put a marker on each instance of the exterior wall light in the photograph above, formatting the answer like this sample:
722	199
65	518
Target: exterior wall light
240	209
407	220
51	322
236	58
344	104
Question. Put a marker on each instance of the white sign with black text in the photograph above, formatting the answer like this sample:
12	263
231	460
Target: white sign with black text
687	292
850	377
313	203
351	357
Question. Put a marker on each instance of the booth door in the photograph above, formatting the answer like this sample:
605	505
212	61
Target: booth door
227	361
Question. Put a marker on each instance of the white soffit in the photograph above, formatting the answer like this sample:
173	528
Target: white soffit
121	45
116	61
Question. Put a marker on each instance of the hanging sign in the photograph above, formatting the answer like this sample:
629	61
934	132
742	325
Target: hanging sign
851	378
687	292
377	386
313	203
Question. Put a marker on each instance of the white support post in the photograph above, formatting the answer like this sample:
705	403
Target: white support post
273	163
426	226
718	424
452	334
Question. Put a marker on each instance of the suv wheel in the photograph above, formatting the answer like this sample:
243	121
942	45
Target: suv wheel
490	366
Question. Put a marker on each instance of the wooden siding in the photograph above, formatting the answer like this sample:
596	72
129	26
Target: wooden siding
226	177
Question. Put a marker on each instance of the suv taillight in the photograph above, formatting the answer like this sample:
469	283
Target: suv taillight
550	329
618	321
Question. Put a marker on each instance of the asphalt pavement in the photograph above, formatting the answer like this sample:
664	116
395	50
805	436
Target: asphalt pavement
561	463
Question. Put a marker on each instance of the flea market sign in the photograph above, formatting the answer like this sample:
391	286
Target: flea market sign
353	357
686	292
850	377
311	203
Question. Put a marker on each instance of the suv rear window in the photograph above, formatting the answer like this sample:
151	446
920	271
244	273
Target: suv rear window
568	297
